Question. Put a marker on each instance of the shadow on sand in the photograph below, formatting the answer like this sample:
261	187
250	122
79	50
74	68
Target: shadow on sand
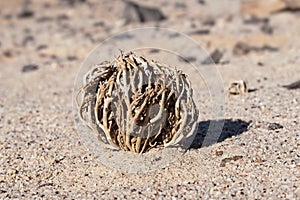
230	128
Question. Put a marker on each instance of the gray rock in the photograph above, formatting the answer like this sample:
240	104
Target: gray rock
213	58
134	12
294	85
29	68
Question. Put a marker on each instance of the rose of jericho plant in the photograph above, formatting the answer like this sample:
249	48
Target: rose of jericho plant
138	105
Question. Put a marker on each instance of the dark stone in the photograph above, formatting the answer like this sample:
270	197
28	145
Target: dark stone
274	126
29	68
44	19
26	14
174	35
226	160
269	48
7	54
7	16
202	2
154	51
264	48
44	185
260	64
252	90
72	2
135	12
27	39
72	58
209	22
200	32
46	5
267	29
180	5
256	20
123	36
214	58
187	59
62	17
225	62
241	48
292	86
99	24
41	47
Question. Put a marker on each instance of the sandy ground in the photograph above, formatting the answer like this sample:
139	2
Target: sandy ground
257	156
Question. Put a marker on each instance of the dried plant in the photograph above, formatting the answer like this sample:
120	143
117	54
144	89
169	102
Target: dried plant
138	105
238	87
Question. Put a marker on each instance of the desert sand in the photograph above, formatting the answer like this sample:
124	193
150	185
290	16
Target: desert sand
42	46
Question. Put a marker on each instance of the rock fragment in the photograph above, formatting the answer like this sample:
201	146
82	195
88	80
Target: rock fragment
187	59
227	160
274	126
134	12
29	68
200	32
241	48
214	57
254	20
292	86
26	12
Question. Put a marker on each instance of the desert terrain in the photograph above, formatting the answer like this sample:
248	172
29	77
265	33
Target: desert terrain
257	156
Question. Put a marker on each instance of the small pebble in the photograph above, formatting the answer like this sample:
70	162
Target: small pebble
29	68
219	153
274	126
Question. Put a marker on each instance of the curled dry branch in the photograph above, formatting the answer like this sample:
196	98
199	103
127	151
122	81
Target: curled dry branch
137	105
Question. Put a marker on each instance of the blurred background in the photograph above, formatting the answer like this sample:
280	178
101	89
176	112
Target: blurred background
46	32
251	40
